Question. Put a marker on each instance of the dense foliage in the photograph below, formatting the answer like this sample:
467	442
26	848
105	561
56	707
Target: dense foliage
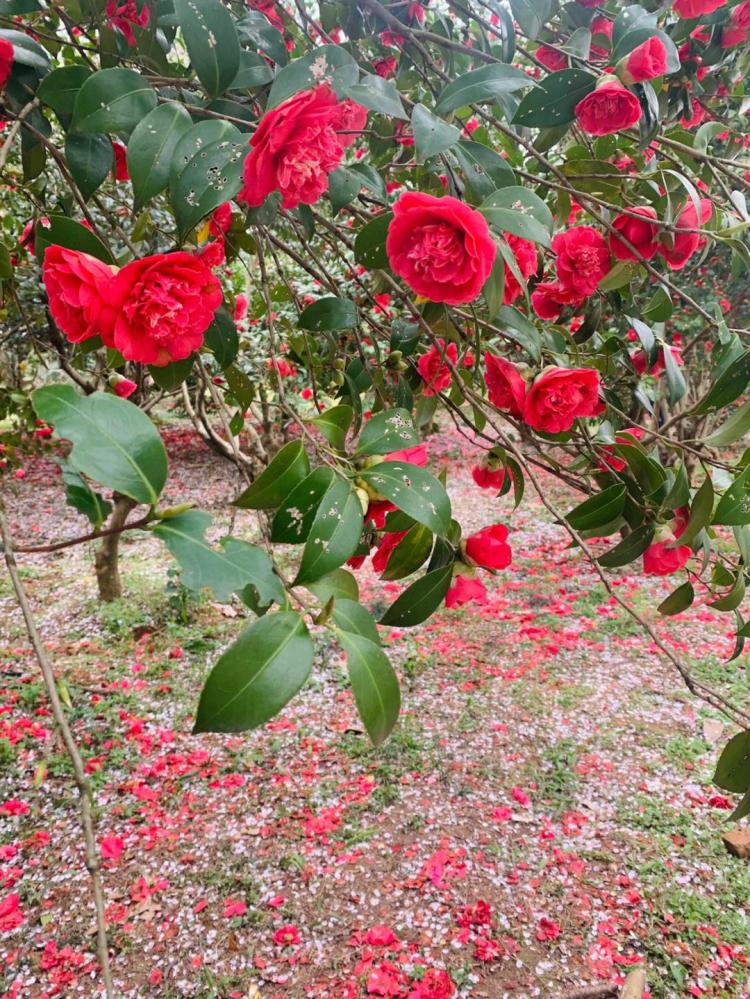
337	224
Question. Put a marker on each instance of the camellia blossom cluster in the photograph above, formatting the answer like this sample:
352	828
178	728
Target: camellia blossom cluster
154	310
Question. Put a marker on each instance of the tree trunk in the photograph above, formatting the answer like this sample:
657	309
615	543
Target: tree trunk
106	558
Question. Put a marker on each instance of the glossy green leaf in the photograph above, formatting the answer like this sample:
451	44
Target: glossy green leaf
334	424
598	510
63	231
414	490
329	314
377	94
481	85
484	170
227	569
113	100
520	329
151	150
340	584
343	187
80	495
678	600
390	430
90	158
374	682
290	465
733	429
734	505
732	600
552	103
258	674
531	15
675	379
222	338
59	88
369	243
730	384
325	63
420	599
410	553
493	289
733	769
629	549
334	533
432	135
700	513
295	516
171	376
212	42
114	443
519	211
212	177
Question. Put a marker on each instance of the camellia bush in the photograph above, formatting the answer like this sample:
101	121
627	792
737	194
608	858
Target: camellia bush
353	221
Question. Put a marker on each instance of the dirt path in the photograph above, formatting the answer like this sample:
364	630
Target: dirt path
542	819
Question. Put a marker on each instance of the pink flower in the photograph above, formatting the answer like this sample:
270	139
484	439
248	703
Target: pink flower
506	389
488	549
234	908
297	145
609	108
659	560
519	795
435	985
549	298
434	371
381	936
441	247
220	219
645	62
240	307
487	478
286	936
641	232
583	259
464	590
111	847
561	395
79	290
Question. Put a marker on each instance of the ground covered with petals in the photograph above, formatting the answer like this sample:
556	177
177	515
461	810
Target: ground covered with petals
541	820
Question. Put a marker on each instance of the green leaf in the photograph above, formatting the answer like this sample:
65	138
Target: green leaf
730	601
27	51
89	158
112	100
334	534
225	570
531	15
295	516
325	63
420	599
659	307
377	94
675	379
290	465
60	88
222	338
632	39
352	617
62	231
483	169
410	553
212	177
256	28
343	187
493	289
151	150
211	40
329	314
742	809
700	513
391	430
254	72
369	243
114	443
678	600
598	510
339	584
519	211
171	376
520	329
197	138
734	505
552	103
733	769
6	267
334	425
481	85
431	134
735	427
80	495
730	384
629	549
414	490
257	675
242	389
374	682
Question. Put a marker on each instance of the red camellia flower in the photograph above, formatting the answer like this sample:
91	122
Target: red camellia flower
641	232
6	61
660	560
549	298
464	591
121	161
433	369
385	550
435	985
488	548
124	387
286	936
488	478
624	437
609	108
741	14
506	388
583	259
551	59
686	243
11	914
526	258
639	361
645	62
125	15
296	146
559	396
441	247
166	302
79	292
695	8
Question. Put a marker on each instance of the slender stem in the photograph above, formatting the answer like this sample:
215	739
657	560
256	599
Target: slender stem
79	773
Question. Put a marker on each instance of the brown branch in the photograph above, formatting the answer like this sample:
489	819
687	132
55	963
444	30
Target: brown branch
91	536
